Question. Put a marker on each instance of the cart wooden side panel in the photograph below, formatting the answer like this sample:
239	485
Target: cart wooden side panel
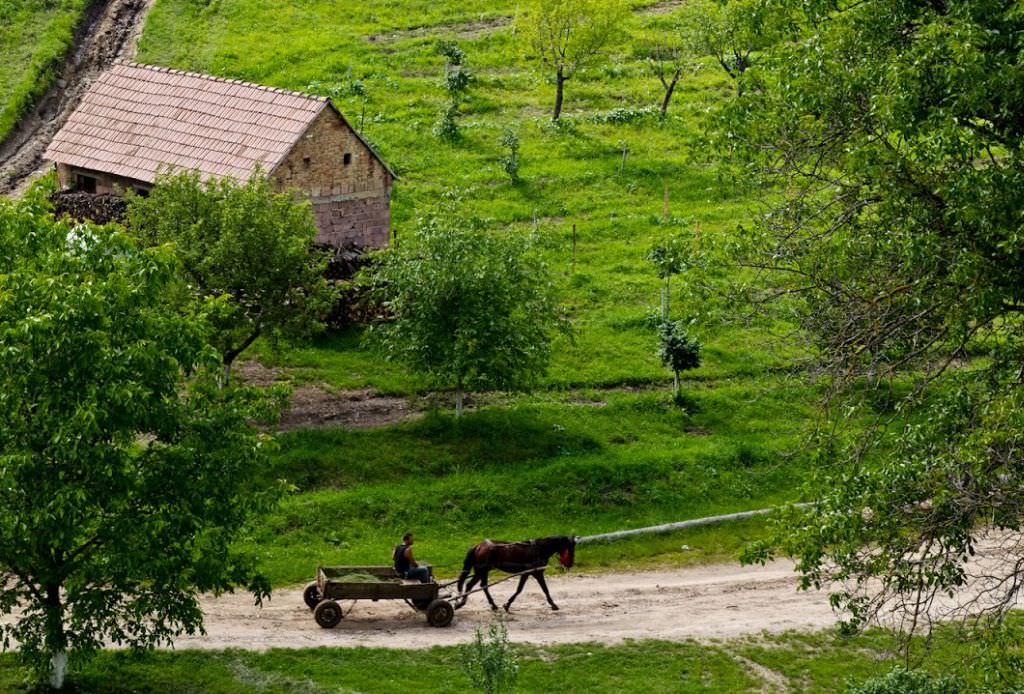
390	587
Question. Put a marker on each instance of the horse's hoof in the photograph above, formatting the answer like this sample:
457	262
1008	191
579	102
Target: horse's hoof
554	608
494	608
507	607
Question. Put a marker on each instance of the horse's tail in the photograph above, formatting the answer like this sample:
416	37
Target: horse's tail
467	565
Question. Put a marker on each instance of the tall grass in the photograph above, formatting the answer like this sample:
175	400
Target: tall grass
35	36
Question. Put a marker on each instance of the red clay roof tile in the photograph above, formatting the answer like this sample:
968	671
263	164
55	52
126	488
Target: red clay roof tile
138	120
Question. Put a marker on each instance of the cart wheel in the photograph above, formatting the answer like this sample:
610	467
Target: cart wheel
311	595
327	614
440	613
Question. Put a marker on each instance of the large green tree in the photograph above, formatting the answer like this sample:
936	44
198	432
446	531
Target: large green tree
125	471
567	36
246	246
892	131
467	307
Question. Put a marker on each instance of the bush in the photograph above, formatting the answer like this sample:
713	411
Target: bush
620	116
510	162
901	681
490	662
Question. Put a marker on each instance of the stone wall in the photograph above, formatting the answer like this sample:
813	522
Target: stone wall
350	189
106	184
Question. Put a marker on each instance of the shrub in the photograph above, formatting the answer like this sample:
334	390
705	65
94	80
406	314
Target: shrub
490	662
901	681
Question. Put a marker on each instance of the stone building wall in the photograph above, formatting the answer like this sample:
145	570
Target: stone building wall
348	186
74	178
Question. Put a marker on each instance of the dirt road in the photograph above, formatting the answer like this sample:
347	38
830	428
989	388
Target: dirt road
705	602
110	29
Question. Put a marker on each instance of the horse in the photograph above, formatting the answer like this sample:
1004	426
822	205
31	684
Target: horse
515	557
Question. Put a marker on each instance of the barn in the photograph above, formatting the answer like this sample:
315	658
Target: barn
136	121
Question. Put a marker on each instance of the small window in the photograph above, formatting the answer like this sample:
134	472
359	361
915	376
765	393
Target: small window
348	158
305	162
85	184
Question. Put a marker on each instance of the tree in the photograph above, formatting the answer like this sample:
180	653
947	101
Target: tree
510	162
667	57
733	31
670	257
125	472
891	132
457	78
678	351
243	245
570	35
466	307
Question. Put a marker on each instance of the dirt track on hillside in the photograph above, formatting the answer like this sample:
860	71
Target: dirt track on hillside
109	29
700	603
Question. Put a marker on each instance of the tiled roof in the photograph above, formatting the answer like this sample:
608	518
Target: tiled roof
138	119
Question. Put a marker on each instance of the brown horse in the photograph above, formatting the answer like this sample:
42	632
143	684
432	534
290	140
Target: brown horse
515	557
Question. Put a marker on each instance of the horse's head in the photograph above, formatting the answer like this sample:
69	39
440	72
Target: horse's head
567	551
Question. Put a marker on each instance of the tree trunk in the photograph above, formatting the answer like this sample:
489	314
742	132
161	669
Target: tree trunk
676	384
559	93
56	641
458	401
229	356
666	292
668	93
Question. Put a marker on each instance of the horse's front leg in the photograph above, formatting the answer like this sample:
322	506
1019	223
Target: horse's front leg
463	596
483	583
539	575
519	589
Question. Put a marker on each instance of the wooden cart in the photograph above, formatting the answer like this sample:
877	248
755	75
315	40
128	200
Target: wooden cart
325	594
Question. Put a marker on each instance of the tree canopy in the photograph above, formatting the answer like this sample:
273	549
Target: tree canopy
243	245
892	132
466	307
570	35
125	472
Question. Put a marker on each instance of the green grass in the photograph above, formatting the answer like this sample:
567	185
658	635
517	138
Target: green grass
34	37
549	462
817	662
534	467
571	175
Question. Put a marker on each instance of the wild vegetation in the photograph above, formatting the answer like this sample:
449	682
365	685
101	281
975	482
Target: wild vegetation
35	36
819	662
590	450
598	444
126	473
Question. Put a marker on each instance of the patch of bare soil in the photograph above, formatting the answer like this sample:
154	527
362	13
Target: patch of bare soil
109	27
314	406
771	681
663	7
702	603
461	30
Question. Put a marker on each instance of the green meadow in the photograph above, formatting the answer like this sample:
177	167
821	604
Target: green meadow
34	38
817	662
598	446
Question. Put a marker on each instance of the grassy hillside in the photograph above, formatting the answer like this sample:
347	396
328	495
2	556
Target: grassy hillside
791	662
34	37
589	452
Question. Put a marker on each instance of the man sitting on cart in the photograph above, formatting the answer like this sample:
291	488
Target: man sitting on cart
406	566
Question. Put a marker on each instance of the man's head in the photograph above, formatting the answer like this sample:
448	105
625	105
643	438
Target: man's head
407	538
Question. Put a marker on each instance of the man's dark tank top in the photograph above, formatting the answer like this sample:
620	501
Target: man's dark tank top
401	561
